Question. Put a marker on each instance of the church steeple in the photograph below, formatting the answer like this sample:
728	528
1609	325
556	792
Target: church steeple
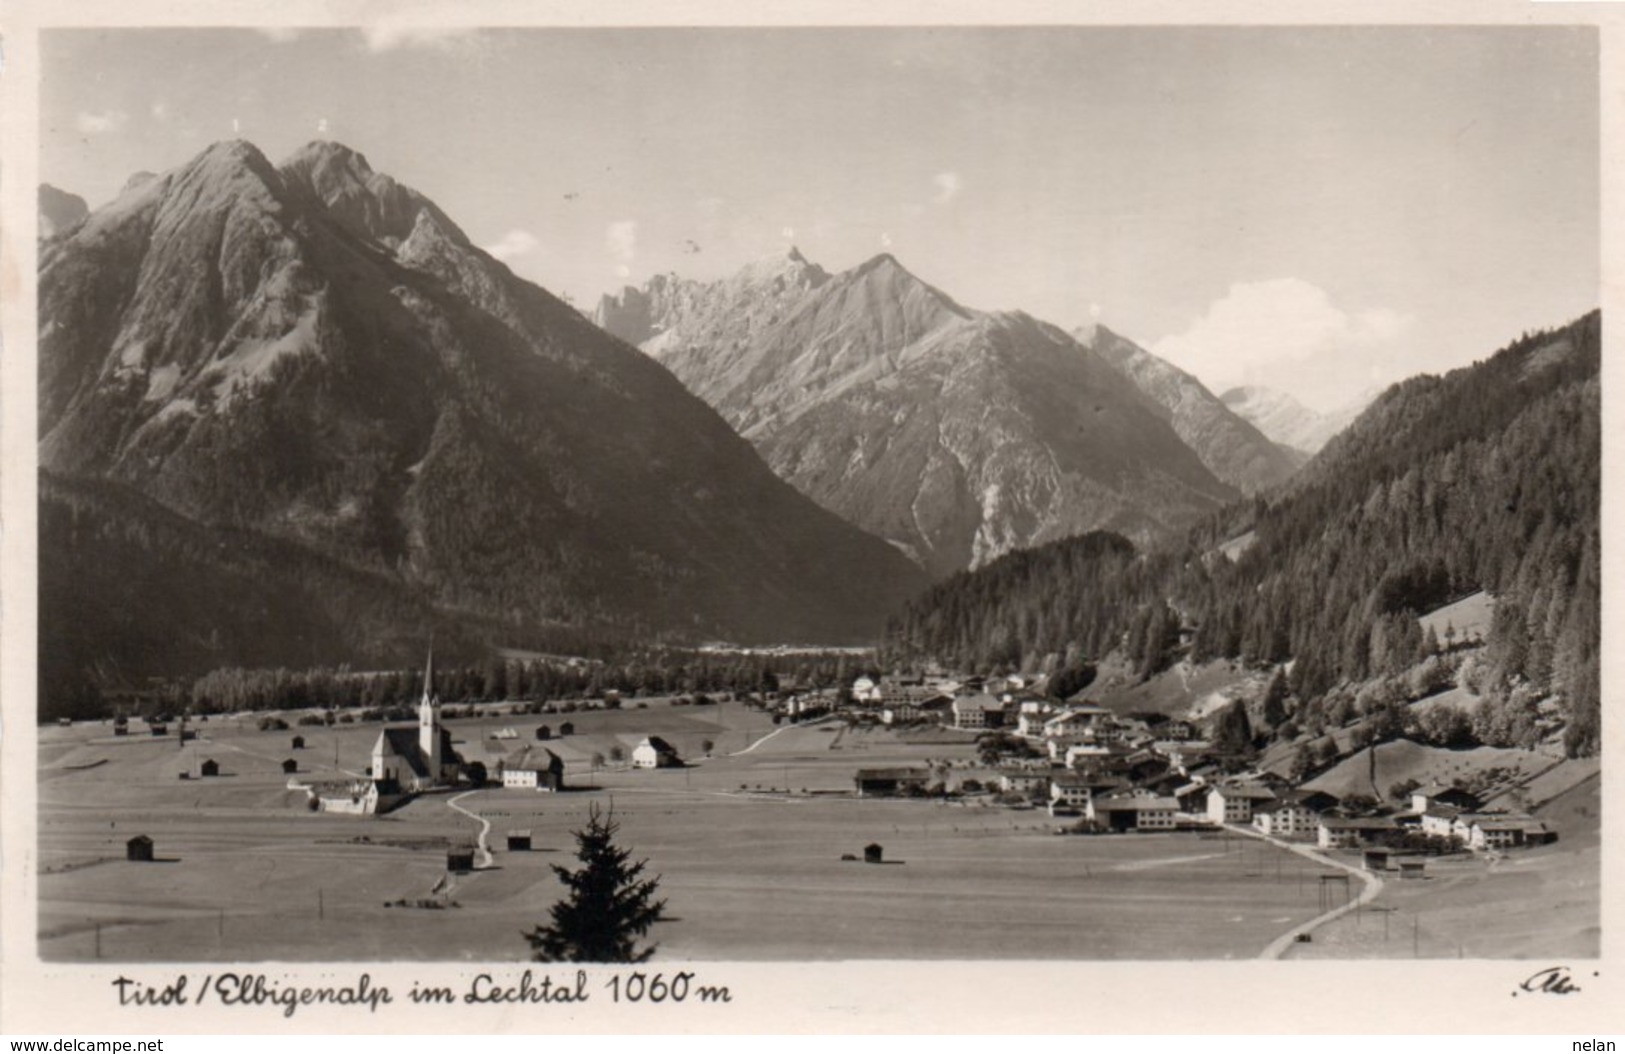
429	718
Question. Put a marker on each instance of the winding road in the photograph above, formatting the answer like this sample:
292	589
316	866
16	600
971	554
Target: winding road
485	826
1373	886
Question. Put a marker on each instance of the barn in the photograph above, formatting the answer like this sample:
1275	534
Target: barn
518	841
460	859
873	853
290	766
872	783
210	767
139	848
298	742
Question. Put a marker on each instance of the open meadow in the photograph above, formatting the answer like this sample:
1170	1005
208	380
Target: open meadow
245	872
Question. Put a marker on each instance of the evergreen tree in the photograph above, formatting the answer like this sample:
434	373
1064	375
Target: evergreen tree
610	905
1275	697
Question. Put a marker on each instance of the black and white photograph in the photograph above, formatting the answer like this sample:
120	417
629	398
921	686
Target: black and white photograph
807	494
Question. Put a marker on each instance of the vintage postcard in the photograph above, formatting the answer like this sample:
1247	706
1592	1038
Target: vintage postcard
606	519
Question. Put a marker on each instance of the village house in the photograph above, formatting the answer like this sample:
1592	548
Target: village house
655	753
899	713
1030	721
1077	790
1234	803
534	768
866	690
1024	781
1295	814
1440	821
1339	832
1505	832
977	712
1182	754
1133	813
1192	797
1454	797
1086	721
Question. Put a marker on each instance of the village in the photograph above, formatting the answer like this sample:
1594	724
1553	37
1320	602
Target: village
953	777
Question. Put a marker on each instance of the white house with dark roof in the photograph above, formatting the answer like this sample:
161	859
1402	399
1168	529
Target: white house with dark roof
1286	819
1338	832
655	753
1505	831
978	711
1134	813
1234	803
534	768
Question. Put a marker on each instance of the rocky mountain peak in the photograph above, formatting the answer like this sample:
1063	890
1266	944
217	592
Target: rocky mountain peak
370	204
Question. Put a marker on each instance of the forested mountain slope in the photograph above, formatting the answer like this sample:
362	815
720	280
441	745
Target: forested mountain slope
1488	477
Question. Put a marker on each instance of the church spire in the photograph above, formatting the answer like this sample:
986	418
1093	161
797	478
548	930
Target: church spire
429	718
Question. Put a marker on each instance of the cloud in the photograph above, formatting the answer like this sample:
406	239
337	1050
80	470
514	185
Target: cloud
1263	332
621	238
389	35
948	186
99	123
514	244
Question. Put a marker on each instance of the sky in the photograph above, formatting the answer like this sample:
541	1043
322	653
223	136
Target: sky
1321	210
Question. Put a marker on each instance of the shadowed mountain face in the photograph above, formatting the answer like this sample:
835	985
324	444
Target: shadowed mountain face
1232	448
955	434
59	211
316	354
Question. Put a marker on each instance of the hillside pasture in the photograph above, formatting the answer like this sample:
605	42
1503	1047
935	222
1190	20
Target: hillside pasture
1184	691
1469	617
1403	759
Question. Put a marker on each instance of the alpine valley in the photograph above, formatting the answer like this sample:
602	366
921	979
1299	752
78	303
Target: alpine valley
290	414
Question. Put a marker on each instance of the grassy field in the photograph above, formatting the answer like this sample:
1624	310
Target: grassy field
245	872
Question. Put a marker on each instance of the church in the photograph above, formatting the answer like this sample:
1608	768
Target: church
408	760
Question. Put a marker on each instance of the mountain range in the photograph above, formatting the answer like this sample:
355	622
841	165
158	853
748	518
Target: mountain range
312	359
956	434
1295	427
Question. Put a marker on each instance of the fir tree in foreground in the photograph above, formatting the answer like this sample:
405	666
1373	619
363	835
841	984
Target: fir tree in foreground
609	906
